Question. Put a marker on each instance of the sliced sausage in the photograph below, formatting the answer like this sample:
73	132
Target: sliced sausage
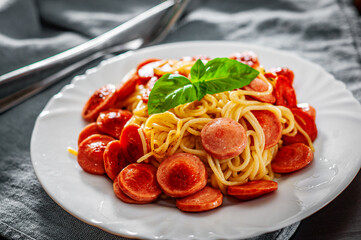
122	196
307	123
285	93
206	199
148	88
286	72
138	181
145	69
270	75
101	100
307	108
88	130
271	126
114	160
112	121
127	88
131	143
90	153
223	138
195	58
292	158
181	174
252	189
247	57
258	85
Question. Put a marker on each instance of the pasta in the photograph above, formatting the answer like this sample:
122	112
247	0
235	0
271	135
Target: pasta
195	130
178	129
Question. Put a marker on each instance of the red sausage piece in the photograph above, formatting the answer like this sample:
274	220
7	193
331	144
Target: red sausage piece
292	158
252	190
285	93
270	75
112	121
87	131
131	143
90	153
127	88
181	174
307	108
206	199
223	138
138	181
287	73
101	100
259	85
145	69
122	196
195	58
249	58
307	123
148	88
114	161
271	127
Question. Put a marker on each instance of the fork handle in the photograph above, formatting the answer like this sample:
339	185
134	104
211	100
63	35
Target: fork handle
25	93
138	27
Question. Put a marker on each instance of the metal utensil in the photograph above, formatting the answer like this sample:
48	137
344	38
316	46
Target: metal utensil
156	36
138	27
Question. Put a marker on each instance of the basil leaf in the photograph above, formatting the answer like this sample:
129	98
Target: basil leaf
201	88
170	91
218	75
224	74
197	71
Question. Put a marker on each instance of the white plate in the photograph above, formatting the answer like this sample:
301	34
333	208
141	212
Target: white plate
91	199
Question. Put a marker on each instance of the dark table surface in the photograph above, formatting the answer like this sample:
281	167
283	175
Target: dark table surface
326	32
341	219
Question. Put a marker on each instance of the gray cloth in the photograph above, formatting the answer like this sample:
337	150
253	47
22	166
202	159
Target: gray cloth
327	32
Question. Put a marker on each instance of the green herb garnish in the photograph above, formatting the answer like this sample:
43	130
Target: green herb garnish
218	75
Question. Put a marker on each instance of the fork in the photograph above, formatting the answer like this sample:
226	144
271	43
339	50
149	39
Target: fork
97	48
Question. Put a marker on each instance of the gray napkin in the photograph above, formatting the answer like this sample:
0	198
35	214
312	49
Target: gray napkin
325	32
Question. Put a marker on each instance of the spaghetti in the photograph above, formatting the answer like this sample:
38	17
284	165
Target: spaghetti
179	129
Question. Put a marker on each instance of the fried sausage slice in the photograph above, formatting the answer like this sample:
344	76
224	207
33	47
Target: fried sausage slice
258	85
252	189
101	100
292	158
247	57
307	123
87	131
122	196
284	92
223	138
271	127
114	160
145	69
206	199
181	174
139	182
90	153
131	143
112	121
